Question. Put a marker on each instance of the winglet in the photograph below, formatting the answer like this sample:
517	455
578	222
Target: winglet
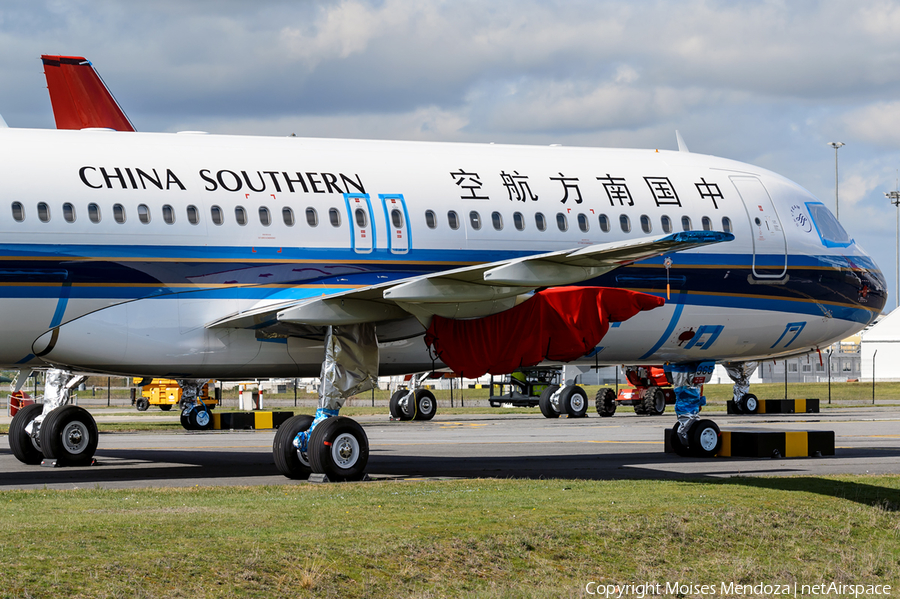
79	96
682	147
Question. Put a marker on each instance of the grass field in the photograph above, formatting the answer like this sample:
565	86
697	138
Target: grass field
470	538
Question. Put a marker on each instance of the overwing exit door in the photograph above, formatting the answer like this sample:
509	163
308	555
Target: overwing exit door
362	225
397	222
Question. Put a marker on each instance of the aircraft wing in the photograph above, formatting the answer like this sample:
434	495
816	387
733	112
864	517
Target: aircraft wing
470	291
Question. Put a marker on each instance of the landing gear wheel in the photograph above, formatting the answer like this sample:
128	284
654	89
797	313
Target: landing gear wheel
426	405
142	404
749	404
573	402
705	438
26	448
605	402
545	404
654	402
289	460
677	446
200	419
165	407
185	420
397	412
339	449
69	435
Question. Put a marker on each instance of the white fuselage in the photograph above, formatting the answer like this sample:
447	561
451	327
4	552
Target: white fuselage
119	249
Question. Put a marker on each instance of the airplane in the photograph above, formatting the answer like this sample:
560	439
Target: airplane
192	256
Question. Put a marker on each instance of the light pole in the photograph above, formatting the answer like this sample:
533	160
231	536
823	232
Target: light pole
836	145
894	197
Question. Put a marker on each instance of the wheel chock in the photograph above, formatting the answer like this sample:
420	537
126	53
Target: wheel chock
780	406
45	463
746	443
320	478
248	420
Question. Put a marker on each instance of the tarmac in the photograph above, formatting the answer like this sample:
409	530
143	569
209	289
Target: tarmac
493	445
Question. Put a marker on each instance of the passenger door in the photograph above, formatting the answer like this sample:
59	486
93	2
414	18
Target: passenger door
362	226
397	222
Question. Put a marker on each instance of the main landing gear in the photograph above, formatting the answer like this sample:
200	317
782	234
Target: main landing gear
196	415
328	443
414	403
570	400
54	432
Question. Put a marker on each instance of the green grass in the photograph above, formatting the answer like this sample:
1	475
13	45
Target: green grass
472	538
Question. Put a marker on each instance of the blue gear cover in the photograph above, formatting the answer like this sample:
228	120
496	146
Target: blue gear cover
301	441
688	400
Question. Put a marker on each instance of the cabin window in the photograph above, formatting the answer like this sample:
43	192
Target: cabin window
726	224
94	213
519	221
334	217
240	215
540	222
646	225
265	218
43	212
144	214
287	215
69	212
475	220
562	222
193	215
497	220
604	223
430	219
666	223
361	220
625	223
397	218
707	223
583	223
218	217
312	217
119	213
18	212
453	220
686	223
168	214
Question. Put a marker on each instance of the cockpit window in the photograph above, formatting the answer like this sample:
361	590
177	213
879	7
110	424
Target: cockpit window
830	230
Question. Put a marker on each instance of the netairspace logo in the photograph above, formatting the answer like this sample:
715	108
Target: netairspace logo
651	589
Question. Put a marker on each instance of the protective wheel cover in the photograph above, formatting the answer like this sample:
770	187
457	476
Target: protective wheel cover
397	413
339	448
545	404
677	445
200	419
142	404
654	402
705	438
26	449
573	401
426	405
749	404
605	402
69	434
288	459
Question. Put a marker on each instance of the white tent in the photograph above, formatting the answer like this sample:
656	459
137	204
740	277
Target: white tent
880	347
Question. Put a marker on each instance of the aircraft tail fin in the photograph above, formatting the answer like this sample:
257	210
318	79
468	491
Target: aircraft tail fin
79	96
3	124
682	147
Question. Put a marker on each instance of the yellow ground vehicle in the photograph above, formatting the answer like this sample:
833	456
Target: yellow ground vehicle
165	393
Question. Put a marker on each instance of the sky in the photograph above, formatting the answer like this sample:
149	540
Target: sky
770	83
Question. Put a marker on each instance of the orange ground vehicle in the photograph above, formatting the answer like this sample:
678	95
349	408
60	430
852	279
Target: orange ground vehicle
650	394
165	393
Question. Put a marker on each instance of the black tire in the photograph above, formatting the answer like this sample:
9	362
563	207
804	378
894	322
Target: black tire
339	448
200	418
185	419
706	439
165	407
545	404
398	413
654	402
288	459
573	402
749	404
26	449
142	404
69	435
677	446
605	402
426	405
